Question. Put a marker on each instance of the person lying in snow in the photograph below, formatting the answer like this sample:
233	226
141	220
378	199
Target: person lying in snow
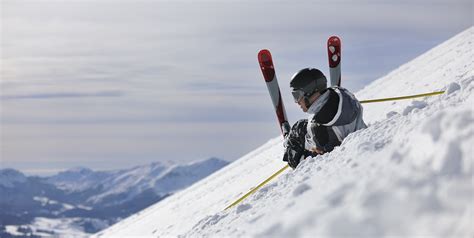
334	114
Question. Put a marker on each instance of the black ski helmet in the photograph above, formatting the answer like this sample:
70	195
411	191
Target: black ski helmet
306	82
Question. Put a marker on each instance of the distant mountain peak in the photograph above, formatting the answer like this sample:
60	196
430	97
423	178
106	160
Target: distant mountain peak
79	169
211	160
8	177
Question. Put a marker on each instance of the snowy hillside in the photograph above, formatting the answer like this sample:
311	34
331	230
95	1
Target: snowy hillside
409	173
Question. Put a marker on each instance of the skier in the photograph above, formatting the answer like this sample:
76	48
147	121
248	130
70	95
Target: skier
334	114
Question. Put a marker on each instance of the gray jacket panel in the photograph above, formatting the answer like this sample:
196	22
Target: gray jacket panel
348	118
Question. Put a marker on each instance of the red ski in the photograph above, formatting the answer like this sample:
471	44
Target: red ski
268	70
334	57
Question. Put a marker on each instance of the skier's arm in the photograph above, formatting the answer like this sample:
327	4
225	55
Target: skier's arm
323	139
332	140
329	110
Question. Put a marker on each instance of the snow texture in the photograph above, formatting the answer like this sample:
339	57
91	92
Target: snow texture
47	227
408	174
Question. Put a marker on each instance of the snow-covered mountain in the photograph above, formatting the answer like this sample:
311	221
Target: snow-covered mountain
161	178
10	177
77	179
408	174
88	200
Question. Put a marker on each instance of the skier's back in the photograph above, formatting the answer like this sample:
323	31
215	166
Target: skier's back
334	114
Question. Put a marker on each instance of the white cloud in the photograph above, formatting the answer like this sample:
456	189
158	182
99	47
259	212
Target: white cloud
187	61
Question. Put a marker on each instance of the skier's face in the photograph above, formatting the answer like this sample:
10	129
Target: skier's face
302	105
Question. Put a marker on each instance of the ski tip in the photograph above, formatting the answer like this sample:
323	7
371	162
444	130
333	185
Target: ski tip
264	56
334	40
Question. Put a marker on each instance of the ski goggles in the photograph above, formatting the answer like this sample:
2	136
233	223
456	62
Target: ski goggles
297	95
308	90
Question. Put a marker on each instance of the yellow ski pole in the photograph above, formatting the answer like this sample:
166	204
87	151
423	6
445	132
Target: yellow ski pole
403	97
256	188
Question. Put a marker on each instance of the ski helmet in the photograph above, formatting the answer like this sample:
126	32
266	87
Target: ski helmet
306	82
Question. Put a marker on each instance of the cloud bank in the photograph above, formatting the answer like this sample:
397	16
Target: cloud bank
115	83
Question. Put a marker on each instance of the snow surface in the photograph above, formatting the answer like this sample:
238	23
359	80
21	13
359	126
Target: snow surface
47	227
408	174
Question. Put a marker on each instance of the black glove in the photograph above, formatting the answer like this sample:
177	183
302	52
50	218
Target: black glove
293	153
294	143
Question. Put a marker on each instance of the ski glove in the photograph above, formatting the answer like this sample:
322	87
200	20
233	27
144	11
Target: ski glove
293	153
294	143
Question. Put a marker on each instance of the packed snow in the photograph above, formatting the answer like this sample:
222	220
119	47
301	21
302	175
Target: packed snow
408	174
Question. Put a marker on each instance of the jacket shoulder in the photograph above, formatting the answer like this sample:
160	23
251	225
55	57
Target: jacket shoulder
329	110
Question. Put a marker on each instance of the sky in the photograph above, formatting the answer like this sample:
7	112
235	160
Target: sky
118	83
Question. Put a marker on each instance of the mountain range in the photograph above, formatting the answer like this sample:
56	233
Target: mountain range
90	200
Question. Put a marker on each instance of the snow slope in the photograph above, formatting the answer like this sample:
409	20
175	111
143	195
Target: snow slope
408	174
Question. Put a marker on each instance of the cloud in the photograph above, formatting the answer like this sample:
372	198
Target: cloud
63	95
162	64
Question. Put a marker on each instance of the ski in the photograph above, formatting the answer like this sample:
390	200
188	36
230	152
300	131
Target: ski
268	70
334	58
